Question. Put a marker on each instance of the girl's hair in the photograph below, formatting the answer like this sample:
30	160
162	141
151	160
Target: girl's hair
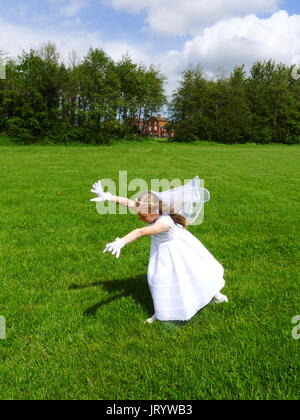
151	204
177	218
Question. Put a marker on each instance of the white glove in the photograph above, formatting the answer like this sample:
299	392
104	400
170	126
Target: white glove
115	247
102	196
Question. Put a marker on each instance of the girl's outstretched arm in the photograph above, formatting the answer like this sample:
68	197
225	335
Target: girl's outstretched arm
116	246
123	201
146	231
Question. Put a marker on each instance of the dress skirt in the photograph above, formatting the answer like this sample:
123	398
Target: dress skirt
183	276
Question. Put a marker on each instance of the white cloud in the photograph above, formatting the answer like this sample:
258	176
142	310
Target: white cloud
188	17
244	40
68	8
237	41
72	8
15	38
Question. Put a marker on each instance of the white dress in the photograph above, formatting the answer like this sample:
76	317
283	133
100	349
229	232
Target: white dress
183	276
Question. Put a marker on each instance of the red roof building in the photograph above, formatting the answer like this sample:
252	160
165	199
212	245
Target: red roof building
156	126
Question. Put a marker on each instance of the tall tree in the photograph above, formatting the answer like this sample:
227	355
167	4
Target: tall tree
190	108
2	88
232	110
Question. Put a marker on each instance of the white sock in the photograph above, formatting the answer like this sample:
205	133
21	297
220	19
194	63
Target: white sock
151	320
219	298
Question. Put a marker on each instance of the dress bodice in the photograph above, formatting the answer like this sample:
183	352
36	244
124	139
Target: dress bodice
165	236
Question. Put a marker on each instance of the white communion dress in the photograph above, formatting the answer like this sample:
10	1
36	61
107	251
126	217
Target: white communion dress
183	276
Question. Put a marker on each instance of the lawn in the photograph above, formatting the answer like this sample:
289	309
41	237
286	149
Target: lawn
75	317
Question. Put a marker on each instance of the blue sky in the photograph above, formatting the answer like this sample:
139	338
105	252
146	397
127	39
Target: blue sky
171	34
99	16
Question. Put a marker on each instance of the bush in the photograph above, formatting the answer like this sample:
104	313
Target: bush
5	140
292	139
16	130
185	137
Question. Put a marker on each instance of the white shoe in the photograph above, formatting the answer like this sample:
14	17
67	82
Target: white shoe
150	320
219	298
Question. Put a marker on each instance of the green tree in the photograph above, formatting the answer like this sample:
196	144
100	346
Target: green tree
141	92
273	103
32	94
97	95
262	107
2	92
232	110
190	106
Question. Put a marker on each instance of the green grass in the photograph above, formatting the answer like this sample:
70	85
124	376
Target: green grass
75	316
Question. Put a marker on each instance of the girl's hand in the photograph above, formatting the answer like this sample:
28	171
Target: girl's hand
115	247
102	196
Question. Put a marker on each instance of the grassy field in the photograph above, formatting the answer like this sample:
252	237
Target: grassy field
75	316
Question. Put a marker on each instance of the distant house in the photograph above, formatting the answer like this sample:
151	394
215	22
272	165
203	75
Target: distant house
156	126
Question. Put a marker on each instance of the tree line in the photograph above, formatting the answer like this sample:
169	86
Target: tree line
89	100
94	99
262	107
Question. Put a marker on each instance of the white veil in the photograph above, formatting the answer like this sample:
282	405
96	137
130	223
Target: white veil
187	201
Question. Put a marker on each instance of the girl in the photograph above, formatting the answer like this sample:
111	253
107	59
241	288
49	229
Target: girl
183	276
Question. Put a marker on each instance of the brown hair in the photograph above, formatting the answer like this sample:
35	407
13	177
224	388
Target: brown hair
151	204
177	218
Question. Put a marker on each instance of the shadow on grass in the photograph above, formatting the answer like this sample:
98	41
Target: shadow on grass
135	287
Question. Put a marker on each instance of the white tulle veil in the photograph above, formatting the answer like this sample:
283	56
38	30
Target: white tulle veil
187	200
